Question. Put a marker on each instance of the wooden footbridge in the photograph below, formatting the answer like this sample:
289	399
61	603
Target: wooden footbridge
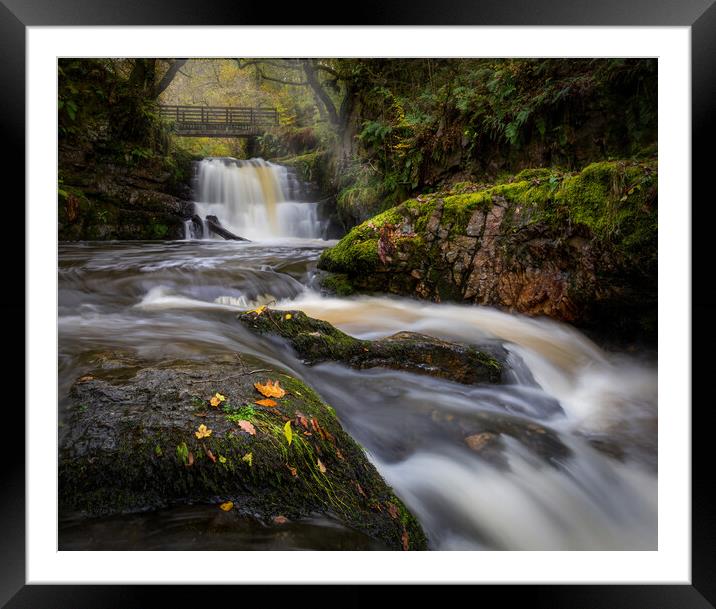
219	121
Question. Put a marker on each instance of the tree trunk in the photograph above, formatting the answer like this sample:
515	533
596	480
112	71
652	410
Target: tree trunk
312	78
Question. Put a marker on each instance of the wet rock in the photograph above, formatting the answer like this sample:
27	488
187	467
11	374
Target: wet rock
576	247
318	341
134	442
478	441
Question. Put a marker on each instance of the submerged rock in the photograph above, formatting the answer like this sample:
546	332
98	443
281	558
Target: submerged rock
576	247
317	341
142	436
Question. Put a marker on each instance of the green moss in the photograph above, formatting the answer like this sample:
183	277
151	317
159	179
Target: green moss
338	284
615	200
157	230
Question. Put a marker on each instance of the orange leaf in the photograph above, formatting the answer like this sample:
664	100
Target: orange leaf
271	389
293	470
247	427
267	402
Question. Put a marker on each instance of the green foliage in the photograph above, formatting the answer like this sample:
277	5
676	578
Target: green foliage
182	453
247	412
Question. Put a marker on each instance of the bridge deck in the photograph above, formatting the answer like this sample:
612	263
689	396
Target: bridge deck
219	121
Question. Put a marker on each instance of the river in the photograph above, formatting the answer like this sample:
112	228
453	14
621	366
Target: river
595	488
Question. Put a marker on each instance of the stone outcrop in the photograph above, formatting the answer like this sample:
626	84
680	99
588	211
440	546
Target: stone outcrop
133	441
575	247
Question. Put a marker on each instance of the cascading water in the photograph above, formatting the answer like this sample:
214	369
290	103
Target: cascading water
575	425
254	199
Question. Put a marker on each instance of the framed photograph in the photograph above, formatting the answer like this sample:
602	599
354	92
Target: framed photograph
391	295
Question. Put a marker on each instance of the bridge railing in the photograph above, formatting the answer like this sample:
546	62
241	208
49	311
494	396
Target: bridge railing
221	115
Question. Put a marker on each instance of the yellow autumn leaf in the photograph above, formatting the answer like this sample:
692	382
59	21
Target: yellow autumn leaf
202	432
257	310
271	389
288	432
287	316
249	458
222	459
227	506
216	399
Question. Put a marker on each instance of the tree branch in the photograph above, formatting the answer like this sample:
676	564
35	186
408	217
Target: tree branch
169	75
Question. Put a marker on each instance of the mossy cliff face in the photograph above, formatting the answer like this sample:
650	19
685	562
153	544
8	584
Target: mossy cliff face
102	196
131	445
576	247
317	341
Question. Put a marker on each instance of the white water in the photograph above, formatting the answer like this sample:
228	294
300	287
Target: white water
254	199
592	486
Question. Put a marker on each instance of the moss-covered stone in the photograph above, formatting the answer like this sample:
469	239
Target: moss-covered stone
579	247
318	341
131	445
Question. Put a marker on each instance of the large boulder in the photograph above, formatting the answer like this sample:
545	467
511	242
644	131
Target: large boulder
577	247
315	341
133	441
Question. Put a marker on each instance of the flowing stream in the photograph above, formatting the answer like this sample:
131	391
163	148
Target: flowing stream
590	483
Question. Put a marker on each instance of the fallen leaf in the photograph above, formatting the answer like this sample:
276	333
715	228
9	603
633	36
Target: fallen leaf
317	428
288	432
293	470
257	310
222	459
216	399
321	467
280	520
249	458
190	459
339	454
84	379
202	432
287	316
227	506
209	453
302	419
359	488
392	510
247	426
406	540
267	402
271	389
307	433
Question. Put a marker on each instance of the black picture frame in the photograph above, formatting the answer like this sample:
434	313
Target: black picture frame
700	15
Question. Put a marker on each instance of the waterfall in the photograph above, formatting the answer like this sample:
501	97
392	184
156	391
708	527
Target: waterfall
254	199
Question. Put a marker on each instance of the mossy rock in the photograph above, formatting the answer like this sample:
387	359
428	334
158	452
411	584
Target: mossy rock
579	247
130	445
316	341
